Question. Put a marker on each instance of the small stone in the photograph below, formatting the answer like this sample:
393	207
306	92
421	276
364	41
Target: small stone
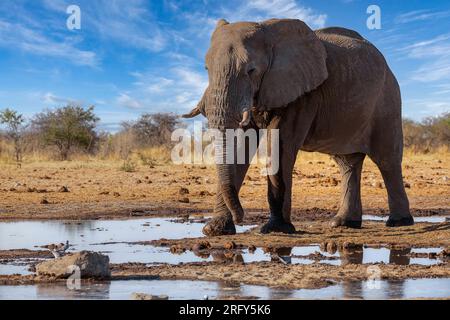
63	189
230	245
202	245
378	184
251	249
407	185
331	247
183	191
334	182
44	201
177	249
184	200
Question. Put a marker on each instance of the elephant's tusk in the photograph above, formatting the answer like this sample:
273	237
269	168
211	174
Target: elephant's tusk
245	119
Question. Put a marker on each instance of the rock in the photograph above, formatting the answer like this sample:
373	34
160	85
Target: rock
251	249
63	189
44	201
334	181
444	254
143	296
407	185
378	184
91	264
184	200
331	247
230	245
202	245
183	191
177	249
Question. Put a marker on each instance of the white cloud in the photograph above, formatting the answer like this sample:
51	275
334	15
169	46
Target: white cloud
177	91
435	54
421	15
257	10
124	100
32	41
426	107
52	99
127	22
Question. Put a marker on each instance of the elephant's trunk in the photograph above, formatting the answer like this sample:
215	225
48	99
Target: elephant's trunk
227	180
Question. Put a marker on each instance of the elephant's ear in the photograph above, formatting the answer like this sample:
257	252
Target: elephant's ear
199	109
298	63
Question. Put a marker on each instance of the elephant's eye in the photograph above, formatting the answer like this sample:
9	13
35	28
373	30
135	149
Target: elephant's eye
251	71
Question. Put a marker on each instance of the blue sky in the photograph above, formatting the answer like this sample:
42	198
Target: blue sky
134	56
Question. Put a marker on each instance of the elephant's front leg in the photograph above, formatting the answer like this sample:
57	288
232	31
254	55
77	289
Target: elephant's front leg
280	193
222	222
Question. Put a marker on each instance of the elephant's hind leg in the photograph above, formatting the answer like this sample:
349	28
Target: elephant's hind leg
391	170
350	209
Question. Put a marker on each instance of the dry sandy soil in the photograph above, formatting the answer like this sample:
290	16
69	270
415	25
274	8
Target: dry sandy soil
96	190
99	189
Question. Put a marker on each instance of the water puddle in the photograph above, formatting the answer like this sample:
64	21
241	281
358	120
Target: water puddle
10	269
197	290
83	234
311	254
88	235
431	219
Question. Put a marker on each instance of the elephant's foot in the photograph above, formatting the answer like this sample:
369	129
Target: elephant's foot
342	221
219	226
399	221
276	224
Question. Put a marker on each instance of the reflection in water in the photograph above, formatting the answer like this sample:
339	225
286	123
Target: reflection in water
97	291
400	256
355	254
183	289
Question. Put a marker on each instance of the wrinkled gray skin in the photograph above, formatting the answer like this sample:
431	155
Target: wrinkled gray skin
328	90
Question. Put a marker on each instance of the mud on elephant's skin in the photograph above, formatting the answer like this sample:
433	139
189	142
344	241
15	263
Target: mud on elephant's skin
328	91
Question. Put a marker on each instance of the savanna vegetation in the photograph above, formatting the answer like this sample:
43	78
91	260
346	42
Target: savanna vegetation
71	133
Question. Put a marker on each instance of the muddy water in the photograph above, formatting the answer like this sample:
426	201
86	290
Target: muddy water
182	289
82	235
116	239
95	236
314	254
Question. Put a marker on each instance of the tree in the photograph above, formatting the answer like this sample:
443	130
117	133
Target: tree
14	123
153	129
66	128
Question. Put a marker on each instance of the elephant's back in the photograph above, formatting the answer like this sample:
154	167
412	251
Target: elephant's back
345	39
338	32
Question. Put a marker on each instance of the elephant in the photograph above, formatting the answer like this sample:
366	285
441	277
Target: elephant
329	91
